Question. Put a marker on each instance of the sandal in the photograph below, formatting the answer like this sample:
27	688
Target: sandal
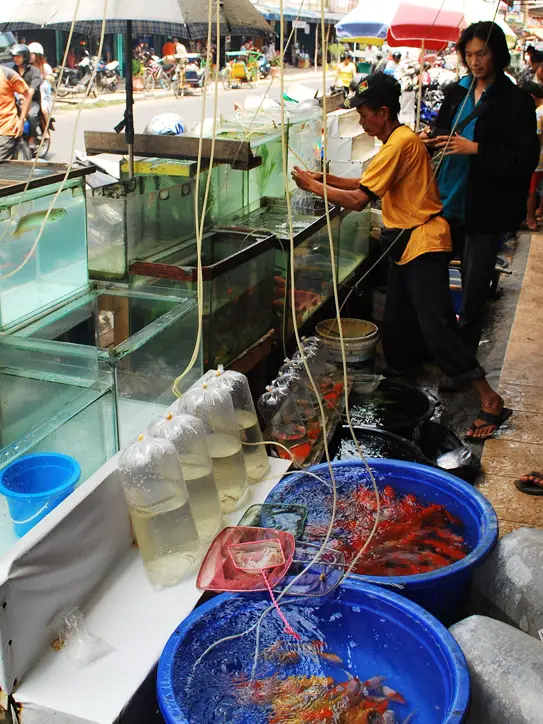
488	419
530	487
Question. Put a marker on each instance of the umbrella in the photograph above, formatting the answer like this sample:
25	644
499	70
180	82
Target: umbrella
368	22
183	18
429	24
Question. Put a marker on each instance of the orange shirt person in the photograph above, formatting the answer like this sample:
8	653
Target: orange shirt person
168	49
11	124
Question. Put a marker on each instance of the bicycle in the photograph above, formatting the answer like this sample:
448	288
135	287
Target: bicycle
158	75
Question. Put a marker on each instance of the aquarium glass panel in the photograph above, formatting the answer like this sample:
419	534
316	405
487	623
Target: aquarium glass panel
38	274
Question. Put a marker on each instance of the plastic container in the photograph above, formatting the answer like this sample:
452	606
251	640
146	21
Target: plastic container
374	443
188	435
35	484
443	591
214	408
360	341
237	385
376	631
393	406
159	507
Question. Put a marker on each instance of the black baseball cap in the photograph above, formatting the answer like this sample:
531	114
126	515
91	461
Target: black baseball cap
534	89
376	88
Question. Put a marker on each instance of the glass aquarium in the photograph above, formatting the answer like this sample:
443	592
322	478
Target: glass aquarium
134	218
238	270
53	401
43	241
141	339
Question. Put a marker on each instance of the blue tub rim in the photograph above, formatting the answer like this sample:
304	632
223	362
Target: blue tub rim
75	474
488	532
448	646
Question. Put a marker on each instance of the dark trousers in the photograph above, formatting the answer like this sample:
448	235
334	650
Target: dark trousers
478	253
420	318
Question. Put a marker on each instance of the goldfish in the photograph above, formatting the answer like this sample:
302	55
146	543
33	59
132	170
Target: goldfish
277	653
32	221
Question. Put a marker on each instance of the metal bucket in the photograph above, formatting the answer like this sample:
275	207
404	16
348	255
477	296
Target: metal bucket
360	340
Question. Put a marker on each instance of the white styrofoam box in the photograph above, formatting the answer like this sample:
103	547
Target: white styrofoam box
347	169
363	147
339	149
85	558
344	123
332	125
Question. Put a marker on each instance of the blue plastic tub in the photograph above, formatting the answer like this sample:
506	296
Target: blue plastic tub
35	484
374	631
444	591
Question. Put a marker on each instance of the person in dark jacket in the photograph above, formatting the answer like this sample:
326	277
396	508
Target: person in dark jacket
485	173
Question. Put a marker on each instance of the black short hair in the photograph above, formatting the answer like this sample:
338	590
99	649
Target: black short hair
493	35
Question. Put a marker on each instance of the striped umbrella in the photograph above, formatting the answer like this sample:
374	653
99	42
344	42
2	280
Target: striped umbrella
368	22
182	18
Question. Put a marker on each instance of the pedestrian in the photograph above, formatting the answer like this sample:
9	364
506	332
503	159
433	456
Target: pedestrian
12	123
346	72
487	164
419	313
380	64
535	212
394	67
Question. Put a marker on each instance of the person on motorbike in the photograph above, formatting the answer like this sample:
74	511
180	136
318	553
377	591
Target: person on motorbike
33	78
11	123
39	61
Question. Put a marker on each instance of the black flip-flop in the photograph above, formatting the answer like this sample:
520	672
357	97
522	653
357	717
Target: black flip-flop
488	419
528	487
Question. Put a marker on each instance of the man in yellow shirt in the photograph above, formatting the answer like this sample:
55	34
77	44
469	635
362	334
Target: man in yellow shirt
419	313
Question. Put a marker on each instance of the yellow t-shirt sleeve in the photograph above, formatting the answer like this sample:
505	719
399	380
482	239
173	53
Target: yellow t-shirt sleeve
386	169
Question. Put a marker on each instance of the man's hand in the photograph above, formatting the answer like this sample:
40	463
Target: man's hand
20	128
457	146
303	179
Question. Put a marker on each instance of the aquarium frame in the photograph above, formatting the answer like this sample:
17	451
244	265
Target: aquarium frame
57	175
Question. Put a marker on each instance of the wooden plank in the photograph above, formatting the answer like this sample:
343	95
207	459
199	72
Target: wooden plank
228	151
333	102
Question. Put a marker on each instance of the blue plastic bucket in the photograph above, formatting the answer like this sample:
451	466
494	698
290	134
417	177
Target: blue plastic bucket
374	631
35	484
444	591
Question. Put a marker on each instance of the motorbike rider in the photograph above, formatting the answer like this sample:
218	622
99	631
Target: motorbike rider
33	78
39	61
11	123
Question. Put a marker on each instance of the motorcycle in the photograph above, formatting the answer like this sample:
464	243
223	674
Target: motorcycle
76	80
23	151
107	75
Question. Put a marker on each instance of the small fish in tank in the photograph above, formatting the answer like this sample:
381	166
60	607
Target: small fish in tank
30	222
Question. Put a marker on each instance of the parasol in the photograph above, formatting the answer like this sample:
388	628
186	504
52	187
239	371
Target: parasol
187	19
368	22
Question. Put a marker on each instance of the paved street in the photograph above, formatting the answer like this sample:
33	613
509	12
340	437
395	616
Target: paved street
97	118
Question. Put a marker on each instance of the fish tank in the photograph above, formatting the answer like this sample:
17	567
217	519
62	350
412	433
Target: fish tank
141	339
135	218
53	403
43	239
237	269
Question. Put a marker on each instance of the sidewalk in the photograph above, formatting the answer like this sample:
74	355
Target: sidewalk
111	99
518	448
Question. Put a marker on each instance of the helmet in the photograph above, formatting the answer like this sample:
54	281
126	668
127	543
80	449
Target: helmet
36	48
166	124
21	49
